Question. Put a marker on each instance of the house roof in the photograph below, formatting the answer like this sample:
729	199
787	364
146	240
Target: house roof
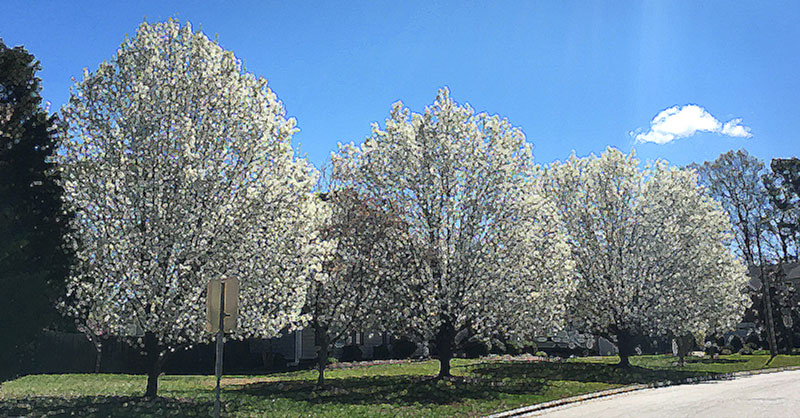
791	273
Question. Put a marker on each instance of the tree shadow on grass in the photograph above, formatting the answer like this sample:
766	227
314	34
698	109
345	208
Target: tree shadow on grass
580	372
715	360
397	390
483	381
104	406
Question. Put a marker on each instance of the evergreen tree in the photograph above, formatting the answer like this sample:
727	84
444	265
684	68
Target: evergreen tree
32	261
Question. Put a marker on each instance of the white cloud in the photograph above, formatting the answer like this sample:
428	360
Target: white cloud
684	121
735	128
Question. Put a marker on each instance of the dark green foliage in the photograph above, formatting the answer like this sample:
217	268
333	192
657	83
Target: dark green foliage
736	344
475	349
403	348
351	353
712	350
754	341
381	352
32	262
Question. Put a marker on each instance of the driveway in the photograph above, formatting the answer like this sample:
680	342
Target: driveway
764	395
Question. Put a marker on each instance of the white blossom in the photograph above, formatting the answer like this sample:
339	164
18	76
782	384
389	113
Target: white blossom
487	252
649	248
178	168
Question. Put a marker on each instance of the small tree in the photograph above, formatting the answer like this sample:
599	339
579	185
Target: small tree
179	169
364	257
487	252
649	249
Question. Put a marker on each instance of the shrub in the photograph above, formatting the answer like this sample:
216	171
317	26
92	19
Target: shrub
514	348
726	351
747	350
541	354
496	347
720	341
753	340
332	360
711	350
381	352
735	344
530	348
403	348
475	349
351	353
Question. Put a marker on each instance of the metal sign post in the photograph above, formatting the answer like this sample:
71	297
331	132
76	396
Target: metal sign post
220	337
221	311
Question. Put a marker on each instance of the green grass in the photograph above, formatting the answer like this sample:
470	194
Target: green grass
482	387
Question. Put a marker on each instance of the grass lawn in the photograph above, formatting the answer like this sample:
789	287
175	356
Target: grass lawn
483	386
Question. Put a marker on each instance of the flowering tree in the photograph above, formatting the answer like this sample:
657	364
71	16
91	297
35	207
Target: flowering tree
649	247
179	168
364	255
487	254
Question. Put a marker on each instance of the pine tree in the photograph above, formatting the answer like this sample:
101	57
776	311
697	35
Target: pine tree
32	261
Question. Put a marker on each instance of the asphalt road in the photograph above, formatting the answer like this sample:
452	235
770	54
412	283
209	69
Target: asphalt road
765	395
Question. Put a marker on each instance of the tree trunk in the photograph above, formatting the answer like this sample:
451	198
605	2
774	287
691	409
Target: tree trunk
444	345
153	352
771	340
322	355
684	343
765	282
625	347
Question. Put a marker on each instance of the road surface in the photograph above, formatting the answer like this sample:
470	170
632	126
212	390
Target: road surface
764	395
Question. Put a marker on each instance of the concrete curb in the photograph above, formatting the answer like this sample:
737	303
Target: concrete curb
519	412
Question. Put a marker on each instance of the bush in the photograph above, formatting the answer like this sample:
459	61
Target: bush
530	348
726	351
711	350
496	347
747	350
403	348
541	354
736	344
332	360
381	352
351	353
514	348
753	340
475	349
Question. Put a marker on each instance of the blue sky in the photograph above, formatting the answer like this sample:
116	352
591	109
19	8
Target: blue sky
573	75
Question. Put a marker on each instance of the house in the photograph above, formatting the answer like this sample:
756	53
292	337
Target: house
300	346
790	273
